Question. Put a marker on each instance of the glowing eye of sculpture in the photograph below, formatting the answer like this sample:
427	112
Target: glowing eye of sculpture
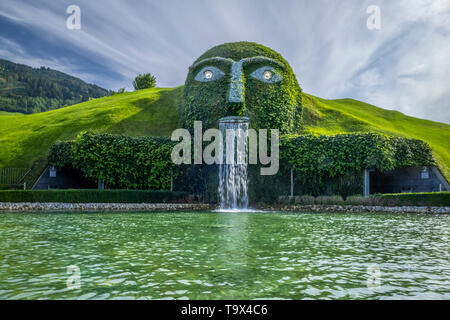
209	73
267	75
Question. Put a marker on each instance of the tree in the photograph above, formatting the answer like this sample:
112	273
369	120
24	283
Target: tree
121	90
144	81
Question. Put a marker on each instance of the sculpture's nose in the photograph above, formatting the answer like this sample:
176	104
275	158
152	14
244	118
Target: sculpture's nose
236	91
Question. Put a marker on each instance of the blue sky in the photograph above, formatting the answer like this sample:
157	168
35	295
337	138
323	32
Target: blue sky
404	66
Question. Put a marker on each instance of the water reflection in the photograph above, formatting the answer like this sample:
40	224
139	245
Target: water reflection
233	235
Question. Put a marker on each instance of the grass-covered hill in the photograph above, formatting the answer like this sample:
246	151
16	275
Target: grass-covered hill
25	139
28	90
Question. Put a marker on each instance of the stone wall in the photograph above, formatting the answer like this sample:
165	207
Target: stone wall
355	208
94	207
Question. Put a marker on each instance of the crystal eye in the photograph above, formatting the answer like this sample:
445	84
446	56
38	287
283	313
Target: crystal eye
267	74
209	74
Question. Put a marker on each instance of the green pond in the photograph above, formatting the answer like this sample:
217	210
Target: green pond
210	255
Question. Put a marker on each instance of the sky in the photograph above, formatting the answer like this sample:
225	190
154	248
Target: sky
403	65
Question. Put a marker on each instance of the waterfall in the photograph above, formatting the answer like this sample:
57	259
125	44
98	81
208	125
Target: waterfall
233	169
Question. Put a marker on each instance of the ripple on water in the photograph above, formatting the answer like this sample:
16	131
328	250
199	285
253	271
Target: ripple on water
253	255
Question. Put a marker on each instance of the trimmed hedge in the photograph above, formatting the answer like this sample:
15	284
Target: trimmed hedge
421	199
429	199
93	196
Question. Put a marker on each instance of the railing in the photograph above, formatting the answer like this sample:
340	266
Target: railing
13	176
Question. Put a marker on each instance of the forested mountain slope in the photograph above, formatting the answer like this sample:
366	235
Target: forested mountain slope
29	90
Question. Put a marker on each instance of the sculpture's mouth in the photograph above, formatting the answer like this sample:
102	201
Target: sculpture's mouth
234	119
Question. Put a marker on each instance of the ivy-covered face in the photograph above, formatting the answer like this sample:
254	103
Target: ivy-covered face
242	79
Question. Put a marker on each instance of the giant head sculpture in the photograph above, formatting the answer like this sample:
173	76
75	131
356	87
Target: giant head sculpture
242	79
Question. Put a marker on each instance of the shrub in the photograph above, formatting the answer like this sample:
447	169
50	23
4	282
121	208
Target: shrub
329	200
93	196
60	154
121	90
349	184
414	199
358	200
286	200
304	200
144	81
397	199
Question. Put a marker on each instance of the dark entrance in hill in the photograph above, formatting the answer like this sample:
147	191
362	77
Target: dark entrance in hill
412	179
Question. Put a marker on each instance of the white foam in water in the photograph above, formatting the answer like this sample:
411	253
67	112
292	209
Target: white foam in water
238	210
233	170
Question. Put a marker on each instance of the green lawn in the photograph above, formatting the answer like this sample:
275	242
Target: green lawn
25	139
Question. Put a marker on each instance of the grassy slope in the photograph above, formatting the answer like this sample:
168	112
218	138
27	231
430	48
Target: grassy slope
25	139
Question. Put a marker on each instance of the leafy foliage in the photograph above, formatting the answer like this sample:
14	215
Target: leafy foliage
322	164
60	154
334	164
121	161
30	90
344	154
144	81
120	90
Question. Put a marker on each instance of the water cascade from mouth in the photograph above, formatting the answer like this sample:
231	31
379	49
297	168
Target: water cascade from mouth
233	169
